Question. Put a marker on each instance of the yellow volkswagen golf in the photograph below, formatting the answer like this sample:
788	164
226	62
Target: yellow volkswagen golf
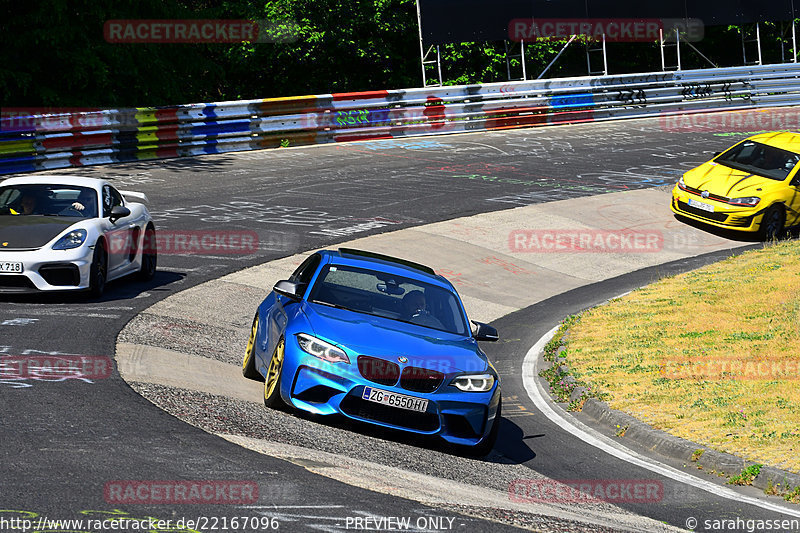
753	186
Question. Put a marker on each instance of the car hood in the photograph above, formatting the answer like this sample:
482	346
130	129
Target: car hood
26	232
725	181
390	339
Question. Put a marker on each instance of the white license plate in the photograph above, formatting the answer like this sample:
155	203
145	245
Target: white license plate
701	205
6	267
395	400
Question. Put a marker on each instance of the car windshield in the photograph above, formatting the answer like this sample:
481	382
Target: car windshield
386	295
761	159
50	200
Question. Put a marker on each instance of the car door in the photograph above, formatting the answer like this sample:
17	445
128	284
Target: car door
118	232
278	315
793	199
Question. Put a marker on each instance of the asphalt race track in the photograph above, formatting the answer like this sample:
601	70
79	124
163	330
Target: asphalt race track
65	442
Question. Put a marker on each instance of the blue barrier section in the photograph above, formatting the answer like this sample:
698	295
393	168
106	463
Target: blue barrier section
572	100
218	128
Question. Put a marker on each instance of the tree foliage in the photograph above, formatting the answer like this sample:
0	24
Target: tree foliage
54	53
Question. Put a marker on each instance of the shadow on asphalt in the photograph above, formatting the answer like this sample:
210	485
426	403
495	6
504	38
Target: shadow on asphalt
183	164
510	444
513	444
738	236
121	289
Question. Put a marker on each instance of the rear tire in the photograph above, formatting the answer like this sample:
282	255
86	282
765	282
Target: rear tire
149	255
272	382
772	225
98	270
249	363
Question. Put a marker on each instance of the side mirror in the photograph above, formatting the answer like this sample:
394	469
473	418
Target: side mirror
118	212
485	332
288	289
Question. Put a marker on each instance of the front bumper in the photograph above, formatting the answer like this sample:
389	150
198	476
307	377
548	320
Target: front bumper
746	219
47	270
312	385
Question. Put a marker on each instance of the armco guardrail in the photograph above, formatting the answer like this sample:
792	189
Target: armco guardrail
30	142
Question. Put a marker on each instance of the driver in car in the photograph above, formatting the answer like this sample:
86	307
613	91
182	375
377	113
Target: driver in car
414	304
772	160
85	205
415	310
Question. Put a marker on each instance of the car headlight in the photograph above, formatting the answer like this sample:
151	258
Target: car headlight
73	239
474	382
681	184
749	201
321	349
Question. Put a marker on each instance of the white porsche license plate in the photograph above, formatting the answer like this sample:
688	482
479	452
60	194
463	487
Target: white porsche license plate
395	400
10	268
701	205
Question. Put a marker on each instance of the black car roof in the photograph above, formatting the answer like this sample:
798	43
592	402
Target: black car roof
387	258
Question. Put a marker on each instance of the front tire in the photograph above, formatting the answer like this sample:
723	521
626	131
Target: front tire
249	363
149	255
272	383
98	270
772	225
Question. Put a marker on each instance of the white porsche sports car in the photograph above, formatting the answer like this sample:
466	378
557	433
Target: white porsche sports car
60	233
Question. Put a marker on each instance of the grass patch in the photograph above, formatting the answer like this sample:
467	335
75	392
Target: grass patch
793	496
563	381
746	476
712	355
772	488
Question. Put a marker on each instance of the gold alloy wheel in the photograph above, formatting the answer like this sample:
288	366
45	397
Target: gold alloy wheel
249	362
274	374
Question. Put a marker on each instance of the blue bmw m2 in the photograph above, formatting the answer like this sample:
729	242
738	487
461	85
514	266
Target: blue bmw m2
380	340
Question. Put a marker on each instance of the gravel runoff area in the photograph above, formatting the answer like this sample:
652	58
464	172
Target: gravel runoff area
232	418
187	336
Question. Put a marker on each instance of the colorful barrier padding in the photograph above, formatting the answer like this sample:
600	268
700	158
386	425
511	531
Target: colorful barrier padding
31	141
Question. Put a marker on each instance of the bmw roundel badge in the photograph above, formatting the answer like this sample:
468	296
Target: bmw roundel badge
402	359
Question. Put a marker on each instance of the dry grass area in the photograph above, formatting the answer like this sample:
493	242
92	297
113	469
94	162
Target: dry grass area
712	355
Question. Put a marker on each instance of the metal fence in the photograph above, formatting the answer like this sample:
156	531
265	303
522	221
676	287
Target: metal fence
30	142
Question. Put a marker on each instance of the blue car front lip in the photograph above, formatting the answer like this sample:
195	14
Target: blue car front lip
324	388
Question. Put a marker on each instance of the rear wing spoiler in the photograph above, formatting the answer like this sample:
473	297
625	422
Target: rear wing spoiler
130	195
